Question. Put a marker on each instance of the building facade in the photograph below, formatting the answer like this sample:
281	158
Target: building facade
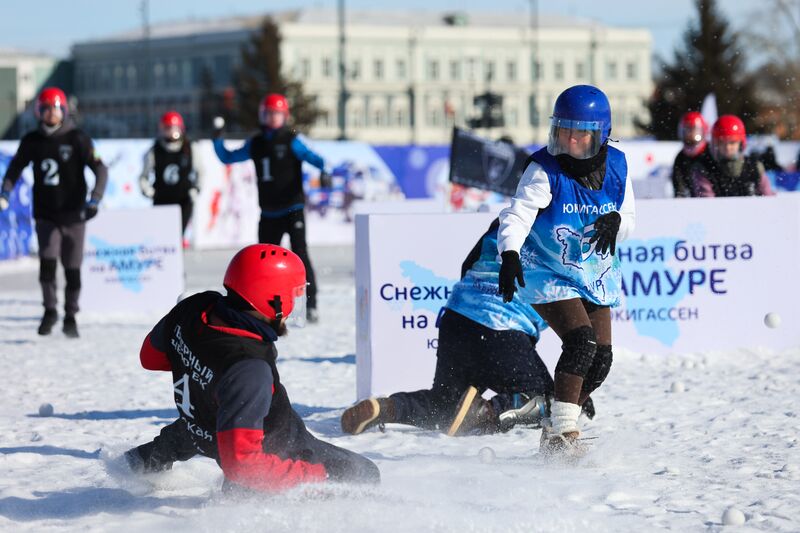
410	77
22	74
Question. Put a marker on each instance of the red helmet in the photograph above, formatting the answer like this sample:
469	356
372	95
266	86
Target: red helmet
270	278
693	123
51	97
172	119
729	128
272	102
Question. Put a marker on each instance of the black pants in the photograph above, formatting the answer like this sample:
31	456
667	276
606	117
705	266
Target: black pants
471	354
174	443
271	230
186	205
65	242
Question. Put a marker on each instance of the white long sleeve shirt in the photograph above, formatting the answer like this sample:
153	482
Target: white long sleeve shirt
533	193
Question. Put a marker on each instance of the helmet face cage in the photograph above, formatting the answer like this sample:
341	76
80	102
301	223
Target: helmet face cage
586	134
297	318
171	132
692	129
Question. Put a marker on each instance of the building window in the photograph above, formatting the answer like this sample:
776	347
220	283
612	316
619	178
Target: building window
471	70
534	112
173	77
580	70
433	70
378	118
400	69
631	71
327	67
355	70
377	69
490	72
511	71
536	70
222	70
455	70
158	75
304	69
558	71
324	119
611	70
119	77
130	73
511	117
400	117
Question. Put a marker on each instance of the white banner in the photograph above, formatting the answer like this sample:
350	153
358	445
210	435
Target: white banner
699	274
133	261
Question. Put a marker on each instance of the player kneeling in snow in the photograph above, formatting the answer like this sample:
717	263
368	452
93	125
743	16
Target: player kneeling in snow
232	405
483	344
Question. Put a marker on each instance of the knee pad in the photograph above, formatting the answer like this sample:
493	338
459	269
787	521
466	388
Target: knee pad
73	277
580	345
599	370
47	269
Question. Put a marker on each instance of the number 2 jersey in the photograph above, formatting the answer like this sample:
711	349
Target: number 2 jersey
59	159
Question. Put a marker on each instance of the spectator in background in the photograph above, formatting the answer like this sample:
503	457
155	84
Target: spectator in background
730	172
693	131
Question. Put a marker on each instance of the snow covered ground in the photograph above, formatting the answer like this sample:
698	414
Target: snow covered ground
661	460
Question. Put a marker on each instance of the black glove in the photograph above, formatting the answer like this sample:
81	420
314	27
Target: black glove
90	210
325	180
510	271
606	228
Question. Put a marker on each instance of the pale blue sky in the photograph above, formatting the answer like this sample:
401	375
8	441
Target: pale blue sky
52	26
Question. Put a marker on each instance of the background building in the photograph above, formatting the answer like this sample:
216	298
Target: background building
410	76
22	74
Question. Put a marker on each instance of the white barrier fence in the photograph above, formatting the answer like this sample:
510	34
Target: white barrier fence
698	274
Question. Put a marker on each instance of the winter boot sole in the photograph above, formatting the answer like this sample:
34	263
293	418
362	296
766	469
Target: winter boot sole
357	418
462	409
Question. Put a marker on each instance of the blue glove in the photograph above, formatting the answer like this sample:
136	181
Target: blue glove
4	201
90	209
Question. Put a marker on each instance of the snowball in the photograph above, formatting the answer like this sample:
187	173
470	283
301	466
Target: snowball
46	409
733	517
677	386
219	123
486	455
772	320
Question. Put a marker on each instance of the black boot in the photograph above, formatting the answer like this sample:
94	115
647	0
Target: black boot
48	321
70	327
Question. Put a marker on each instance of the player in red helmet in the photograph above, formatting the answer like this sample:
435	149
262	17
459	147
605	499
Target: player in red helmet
278	155
232	405
62	202
693	132
729	172
171	172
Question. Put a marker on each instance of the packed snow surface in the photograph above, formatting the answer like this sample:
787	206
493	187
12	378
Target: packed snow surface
657	459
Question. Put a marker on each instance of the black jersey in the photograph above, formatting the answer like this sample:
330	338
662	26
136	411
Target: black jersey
279	171
200	355
174	173
682	170
747	183
59	159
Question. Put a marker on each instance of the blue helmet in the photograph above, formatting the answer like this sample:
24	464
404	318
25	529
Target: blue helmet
581	122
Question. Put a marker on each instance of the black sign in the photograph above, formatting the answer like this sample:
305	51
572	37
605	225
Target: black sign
483	164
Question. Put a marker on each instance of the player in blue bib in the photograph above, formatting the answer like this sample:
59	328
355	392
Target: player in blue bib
557	240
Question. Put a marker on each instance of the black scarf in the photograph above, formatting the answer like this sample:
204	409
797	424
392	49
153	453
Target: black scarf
241	320
588	172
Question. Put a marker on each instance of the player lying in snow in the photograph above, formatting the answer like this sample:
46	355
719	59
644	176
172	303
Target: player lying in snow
483	344
232	405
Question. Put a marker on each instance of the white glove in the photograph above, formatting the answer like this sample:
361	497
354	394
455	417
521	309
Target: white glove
194	192
3	202
147	188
